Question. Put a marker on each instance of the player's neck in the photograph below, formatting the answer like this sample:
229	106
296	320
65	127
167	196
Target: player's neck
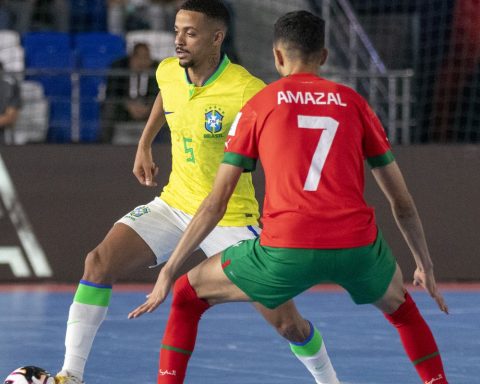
295	68
200	74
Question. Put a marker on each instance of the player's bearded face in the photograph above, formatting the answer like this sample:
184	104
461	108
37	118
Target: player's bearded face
193	38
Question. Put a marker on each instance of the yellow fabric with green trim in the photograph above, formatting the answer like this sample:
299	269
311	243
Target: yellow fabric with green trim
199	119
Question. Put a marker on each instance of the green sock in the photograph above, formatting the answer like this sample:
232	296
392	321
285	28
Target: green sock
313	354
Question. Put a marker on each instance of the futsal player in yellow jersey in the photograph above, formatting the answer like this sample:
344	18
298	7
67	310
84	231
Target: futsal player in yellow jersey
199	118
200	95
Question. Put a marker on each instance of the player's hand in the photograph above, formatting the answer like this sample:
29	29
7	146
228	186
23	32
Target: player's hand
144	169
426	279
155	298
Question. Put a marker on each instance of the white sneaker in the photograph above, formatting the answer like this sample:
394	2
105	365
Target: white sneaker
65	377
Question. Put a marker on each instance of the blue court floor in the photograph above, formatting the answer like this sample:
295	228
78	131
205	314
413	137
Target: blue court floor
235	346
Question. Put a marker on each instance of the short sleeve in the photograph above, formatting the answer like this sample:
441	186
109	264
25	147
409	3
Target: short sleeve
376	146
241	144
160	74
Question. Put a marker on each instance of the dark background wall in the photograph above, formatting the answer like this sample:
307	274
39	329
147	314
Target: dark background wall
73	194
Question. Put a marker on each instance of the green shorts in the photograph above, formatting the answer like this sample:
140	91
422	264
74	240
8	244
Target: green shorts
272	276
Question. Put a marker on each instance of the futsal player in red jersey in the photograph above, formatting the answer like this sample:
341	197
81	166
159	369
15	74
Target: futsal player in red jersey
312	136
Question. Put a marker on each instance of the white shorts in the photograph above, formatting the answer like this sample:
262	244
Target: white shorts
162	226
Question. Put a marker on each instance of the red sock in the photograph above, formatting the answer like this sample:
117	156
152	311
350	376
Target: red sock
418	341
181	332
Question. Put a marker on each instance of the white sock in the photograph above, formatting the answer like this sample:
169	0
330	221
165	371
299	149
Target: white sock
82	325
320	367
313	354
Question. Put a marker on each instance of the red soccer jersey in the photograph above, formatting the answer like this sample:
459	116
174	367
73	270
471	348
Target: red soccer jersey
312	136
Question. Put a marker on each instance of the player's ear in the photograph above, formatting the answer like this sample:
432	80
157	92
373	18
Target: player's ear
279	58
218	37
323	56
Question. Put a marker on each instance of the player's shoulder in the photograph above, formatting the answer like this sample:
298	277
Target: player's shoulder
169	61
167	67
238	73
345	90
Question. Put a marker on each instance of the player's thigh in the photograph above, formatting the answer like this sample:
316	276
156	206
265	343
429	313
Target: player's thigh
365	272
121	251
211	283
223	237
158	226
395	294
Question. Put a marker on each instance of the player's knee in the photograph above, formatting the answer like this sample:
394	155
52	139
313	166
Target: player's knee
182	293
97	268
186	299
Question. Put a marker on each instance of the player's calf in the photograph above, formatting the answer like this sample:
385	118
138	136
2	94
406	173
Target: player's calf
418	341
180	333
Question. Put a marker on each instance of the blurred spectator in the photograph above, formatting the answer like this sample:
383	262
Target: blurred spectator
131	91
21	12
4	16
10	102
34	15
131	15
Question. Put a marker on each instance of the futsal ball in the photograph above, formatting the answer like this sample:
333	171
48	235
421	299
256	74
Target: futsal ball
29	375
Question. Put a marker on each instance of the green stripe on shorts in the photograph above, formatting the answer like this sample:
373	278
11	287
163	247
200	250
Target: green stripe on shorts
92	295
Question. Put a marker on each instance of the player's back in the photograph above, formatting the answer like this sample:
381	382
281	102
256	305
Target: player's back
313	136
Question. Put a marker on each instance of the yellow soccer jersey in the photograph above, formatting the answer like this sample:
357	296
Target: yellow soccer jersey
199	119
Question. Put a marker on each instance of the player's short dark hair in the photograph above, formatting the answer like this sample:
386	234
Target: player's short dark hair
301	31
213	9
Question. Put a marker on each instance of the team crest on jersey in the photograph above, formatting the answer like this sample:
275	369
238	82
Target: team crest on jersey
214	121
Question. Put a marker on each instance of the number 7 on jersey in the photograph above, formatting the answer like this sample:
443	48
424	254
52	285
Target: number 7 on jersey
329	127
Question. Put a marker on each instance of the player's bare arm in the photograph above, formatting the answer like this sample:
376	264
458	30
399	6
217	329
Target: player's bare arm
9	117
207	217
144	167
391	182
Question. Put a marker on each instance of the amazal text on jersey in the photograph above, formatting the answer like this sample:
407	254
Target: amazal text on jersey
315	98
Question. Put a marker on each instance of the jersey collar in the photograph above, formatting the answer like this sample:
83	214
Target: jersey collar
215	75
303	75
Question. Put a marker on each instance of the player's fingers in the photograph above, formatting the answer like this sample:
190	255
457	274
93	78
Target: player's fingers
155	170
440	302
136	312
148	176
139	175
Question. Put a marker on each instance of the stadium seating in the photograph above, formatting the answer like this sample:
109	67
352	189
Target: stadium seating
161	43
88	15
49	60
98	49
13	59
32	122
94	51
12	53
9	39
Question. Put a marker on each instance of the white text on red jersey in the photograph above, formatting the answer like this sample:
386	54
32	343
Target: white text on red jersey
315	98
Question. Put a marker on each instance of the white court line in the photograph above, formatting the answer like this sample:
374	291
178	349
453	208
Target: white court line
32	247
